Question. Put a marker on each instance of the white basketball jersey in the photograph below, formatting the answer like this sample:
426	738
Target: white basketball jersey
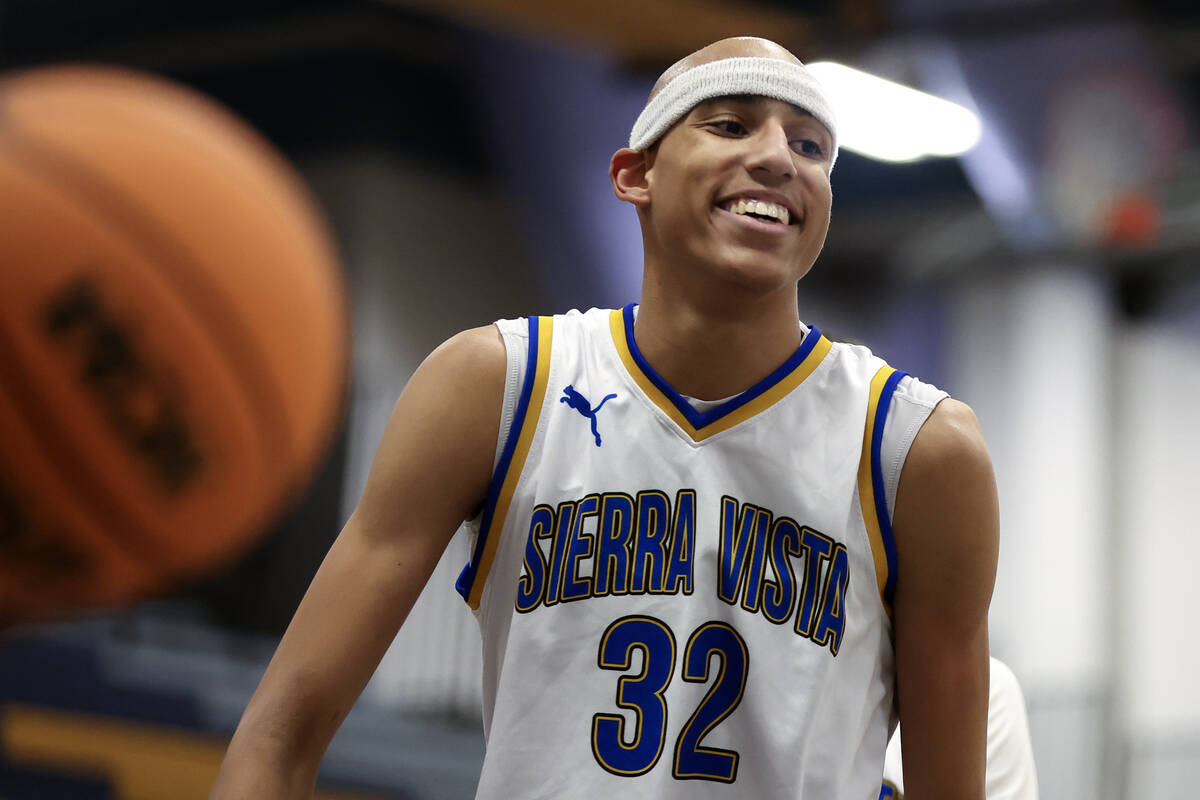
684	603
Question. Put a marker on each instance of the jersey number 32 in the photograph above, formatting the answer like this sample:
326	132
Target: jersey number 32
635	753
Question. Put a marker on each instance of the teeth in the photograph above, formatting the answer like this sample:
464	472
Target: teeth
743	206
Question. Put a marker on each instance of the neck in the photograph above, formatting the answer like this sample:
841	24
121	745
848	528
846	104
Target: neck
711	347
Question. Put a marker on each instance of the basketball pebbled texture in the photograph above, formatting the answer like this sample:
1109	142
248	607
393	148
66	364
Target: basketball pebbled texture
173	337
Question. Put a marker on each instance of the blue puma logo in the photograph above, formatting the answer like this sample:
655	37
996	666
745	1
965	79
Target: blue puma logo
580	403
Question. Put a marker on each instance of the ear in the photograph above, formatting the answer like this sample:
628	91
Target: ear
627	171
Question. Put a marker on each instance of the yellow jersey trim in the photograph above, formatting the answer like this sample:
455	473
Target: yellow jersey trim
866	486
512	475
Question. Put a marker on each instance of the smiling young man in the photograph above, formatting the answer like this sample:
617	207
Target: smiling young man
713	551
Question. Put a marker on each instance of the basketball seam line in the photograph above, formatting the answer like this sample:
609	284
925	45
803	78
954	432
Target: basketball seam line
118	522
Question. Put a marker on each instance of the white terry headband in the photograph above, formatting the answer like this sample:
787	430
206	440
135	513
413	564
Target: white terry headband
766	77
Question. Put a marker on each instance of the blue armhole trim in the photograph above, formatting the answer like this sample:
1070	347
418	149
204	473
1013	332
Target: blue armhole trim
881	510
467	577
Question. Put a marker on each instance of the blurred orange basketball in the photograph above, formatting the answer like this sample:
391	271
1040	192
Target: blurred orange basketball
173	337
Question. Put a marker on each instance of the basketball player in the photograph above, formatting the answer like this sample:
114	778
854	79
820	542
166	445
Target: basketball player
713	551
1011	772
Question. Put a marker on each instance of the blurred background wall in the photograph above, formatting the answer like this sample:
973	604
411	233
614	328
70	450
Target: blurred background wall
1050	278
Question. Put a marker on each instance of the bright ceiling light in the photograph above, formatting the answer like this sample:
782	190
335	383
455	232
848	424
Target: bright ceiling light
891	122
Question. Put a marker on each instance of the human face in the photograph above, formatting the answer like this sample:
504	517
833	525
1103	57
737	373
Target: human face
733	149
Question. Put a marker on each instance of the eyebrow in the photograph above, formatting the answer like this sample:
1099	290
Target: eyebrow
753	100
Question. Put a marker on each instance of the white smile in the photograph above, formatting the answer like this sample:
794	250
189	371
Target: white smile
758	209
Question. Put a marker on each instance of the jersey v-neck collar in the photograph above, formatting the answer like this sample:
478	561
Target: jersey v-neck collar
700	425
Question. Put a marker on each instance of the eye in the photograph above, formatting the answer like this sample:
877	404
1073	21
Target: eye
808	147
729	126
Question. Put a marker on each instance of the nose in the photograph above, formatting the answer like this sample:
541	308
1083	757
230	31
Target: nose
770	154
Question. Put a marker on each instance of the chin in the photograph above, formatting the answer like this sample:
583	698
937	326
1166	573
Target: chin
757	275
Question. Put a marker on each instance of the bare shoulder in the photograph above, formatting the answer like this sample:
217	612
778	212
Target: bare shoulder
477	352
455	393
462	378
950	438
438	447
946	519
948	472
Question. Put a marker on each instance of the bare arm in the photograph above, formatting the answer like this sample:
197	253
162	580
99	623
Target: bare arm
946	525
431	472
